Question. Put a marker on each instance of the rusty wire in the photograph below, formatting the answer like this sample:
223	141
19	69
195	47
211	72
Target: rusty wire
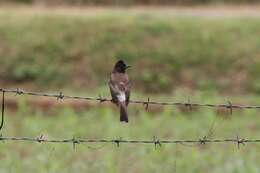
61	96
188	104
155	141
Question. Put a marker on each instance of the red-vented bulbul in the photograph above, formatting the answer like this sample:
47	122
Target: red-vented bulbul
120	88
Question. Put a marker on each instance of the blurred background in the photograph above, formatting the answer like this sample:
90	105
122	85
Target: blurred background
203	50
131	2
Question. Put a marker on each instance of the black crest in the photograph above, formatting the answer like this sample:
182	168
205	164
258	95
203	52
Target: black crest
120	66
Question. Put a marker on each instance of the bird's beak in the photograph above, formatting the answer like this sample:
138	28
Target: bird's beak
128	67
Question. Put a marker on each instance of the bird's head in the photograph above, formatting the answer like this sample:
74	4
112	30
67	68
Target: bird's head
121	67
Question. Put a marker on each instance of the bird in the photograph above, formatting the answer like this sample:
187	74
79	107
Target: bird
120	87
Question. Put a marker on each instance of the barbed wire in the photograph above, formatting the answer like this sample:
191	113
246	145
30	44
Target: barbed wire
61	96
189	104
155	141
118	142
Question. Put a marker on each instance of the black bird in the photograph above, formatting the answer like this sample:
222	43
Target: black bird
119	85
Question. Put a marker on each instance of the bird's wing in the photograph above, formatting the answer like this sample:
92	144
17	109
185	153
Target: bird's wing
128	93
119	87
114	92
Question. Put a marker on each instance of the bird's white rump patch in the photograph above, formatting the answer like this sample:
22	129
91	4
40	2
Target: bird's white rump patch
121	97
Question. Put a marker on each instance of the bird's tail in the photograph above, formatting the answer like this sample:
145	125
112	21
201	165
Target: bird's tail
123	112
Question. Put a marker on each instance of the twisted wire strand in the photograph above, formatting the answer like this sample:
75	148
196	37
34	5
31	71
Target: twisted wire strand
189	104
155	141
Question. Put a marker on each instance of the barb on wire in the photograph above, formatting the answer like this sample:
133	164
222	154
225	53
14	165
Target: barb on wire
61	96
189	104
74	142
147	103
40	139
230	107
155	141
18	91
239	142
117	141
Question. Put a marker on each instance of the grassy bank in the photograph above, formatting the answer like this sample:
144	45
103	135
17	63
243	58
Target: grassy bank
51	50
166	51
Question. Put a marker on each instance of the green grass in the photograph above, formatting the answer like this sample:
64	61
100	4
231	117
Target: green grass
166	51
169	53
171	123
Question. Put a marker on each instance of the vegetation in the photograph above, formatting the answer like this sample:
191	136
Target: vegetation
166	52
132	2
171	123
76	51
